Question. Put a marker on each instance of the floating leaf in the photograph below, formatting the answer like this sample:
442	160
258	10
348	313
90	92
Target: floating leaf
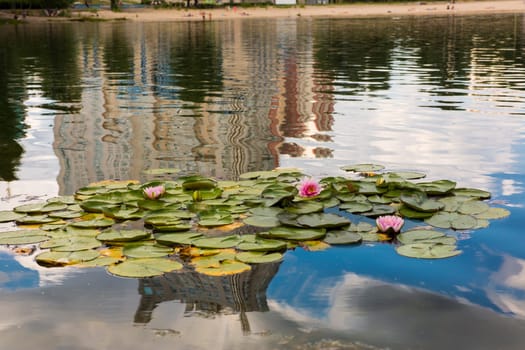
254	257
66	214
161	171
226	267
452	220
34	219
319	220
99	261
409	175
471	192
363	168
410	213
98	222
473	207
23	237
170	239
148	267
141	250
54	258
356	207
420	202
342	237
254	243
379	209
262	221
29	208
493	213
217	242
112	235
305	207
8	215
71	243
438	187
294	233
418	235
428	250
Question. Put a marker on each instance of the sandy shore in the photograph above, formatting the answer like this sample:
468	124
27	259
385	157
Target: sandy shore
350	10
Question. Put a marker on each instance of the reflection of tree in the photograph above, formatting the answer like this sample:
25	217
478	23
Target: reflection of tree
208	295
357	53
196	63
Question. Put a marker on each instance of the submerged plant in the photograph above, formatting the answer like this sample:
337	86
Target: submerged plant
154	192
389	223
309	187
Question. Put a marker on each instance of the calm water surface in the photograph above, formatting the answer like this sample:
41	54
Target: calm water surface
441	95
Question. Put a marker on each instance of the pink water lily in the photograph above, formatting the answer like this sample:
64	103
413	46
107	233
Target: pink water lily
154	192
390	223
309	187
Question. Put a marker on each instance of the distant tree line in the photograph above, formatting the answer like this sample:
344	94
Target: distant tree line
35	4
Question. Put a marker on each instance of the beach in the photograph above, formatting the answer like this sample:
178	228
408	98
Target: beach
151	14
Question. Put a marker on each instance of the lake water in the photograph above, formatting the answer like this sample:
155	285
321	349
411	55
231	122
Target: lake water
83	102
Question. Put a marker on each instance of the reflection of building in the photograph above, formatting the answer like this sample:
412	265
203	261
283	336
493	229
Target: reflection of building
208	295
136	113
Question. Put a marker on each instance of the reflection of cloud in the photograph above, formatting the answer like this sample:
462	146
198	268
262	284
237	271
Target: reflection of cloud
507	287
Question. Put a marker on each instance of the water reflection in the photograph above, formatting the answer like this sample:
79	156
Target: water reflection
443	96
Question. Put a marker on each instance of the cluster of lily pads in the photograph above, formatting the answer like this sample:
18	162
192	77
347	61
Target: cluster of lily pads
222	227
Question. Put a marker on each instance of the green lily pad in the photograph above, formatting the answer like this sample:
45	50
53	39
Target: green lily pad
112	235
305	207
262	221
34	219
428	250
455	221
410	213
98	222
99	262
438	187
342	237
294	233
146	267
471	192
217	242
142	250
174	227
171	239
409	175
23	237
8	215
254	243
198	184
493	213
379	209
161	171
66	214
361	227
356	207
326	220
71	243
54	258
420	202
258	257
92	206
418	236
363	168
224	268
30	208
472	207
119	213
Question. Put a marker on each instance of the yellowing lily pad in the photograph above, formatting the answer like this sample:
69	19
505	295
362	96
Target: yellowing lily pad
224	268
149	267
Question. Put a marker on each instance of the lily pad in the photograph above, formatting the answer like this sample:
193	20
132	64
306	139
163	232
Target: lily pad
148	267
98	222
71	243
254	243
342	237
54	258
418	236
438	187
23	237
226	267
472	207
141	250
217	242
379	209
455	221
326	220
34	219
262	221
471	192
428	250
294	233
363	168
170	239
356	207
112	235
305	207
493	213
420	202
8	215
254	257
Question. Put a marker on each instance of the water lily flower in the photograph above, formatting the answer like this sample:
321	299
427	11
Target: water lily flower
390	223
309	187
154	192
